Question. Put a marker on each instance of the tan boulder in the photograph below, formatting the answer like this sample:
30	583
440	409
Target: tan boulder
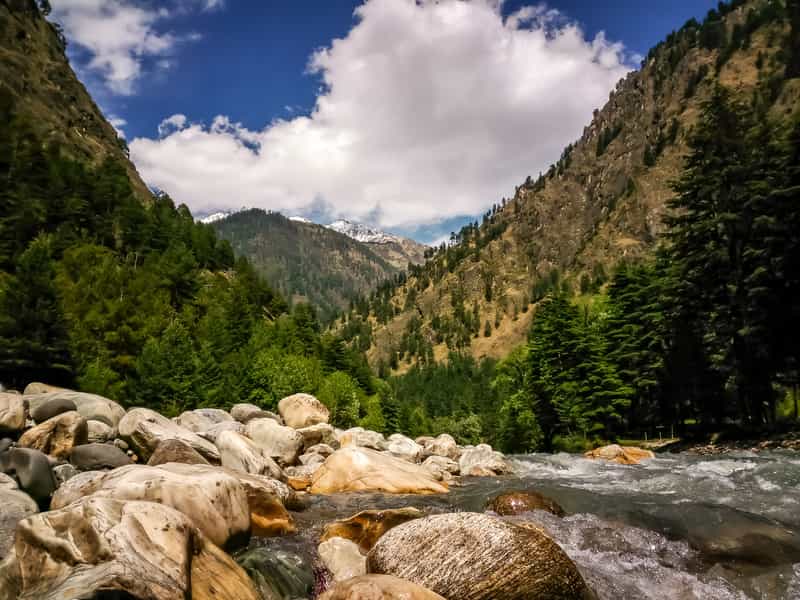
362	469
404	447
99	432
366	528
42	388
16	505
443	445
57	436
321	433
300	478
358	437
90	406
145	429
284	444
623	455
12	413
175	451
302	410
342	558
239	453
378	587
247	412
482	461
202	419
442	468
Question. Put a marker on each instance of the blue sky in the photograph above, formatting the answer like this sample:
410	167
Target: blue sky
248	61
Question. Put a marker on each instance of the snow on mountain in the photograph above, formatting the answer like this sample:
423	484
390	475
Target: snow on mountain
299	219
363	233
217	216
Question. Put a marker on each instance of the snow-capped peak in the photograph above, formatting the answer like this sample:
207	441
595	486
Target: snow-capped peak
299	219
362	233
217	216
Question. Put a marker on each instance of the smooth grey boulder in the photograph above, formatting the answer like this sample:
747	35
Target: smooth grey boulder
16	505
404	447
99	432
13	411
281	443
64	473
51	408
177	451
482	461
443	468
240	453
321	433
201	419
145	429
96	457
32	470
247	412
90	406
443	445
212	433
358	437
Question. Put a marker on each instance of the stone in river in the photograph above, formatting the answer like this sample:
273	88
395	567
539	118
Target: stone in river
342	558
378	587
515	503
623	455
366	528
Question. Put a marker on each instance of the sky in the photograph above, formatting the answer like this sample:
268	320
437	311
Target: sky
414	116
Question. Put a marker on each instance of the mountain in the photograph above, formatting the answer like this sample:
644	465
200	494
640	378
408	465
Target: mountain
397	251
600	204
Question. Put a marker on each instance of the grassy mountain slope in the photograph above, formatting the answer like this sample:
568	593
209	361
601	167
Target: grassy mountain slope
600	204
399	253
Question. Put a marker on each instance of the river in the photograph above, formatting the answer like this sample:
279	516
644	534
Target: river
678	527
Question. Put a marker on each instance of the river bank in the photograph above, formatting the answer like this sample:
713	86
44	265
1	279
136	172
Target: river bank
724	443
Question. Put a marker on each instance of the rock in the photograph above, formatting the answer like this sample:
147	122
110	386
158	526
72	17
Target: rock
482	461
90	406
239	453
300	478
623	455
144	429
243	413
98	432
12	413
267	500
515	503
443	445
442	468
17	505
278	575
378	587
175	451
423	440
342	558
7	482
201	419
361	469
41	388
121	444
472	556
96	457
366	527
405	448
32	470
105	548
302	410
281	443
215	501
5	444
57	436
321	433
312	460
52	408
323	450
64	473
358	437
212	433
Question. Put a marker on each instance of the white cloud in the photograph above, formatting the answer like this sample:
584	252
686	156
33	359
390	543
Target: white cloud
117	123
428	109
120	35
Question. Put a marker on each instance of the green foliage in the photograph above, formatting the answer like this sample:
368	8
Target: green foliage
340	393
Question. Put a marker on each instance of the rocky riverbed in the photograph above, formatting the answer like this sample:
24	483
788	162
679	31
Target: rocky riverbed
248	504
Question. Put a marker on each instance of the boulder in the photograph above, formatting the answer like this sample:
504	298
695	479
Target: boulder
312	460
239	453
404	447
32	470
57	436
342	558
64	473
278	575
202	419
96	457
17	505
267	500
442	468
41	388
7	482
361	469
443	445
378	587
90	406
52	408
212	433
623	455
104	548
358	437
5	444
366	527
300	478
243	413
321	433
482	461
302	410
215	501
175	451
281	443
12	413
323	450
473	556
99	432
515	503
144	429
423	440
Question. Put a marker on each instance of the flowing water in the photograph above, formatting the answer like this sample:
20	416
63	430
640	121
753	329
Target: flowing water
677	527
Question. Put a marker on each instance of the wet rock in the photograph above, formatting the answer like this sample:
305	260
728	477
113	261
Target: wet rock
342	558
105	548
57	436
12	413
300	478
443	445
404	447
515	503
16	505
175	451
278	575
472	556
98	432
201	419
64	473
321	433
268	500
144	429
243	413
378	587
212	433
482	461
52	408
32	470
366	527
358	437
362	469
278	442
302	410
442	468
96	457
239	453
623	455
214	500
90	406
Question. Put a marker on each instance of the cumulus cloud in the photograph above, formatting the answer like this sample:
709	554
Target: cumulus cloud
120	35
118	124
428	109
